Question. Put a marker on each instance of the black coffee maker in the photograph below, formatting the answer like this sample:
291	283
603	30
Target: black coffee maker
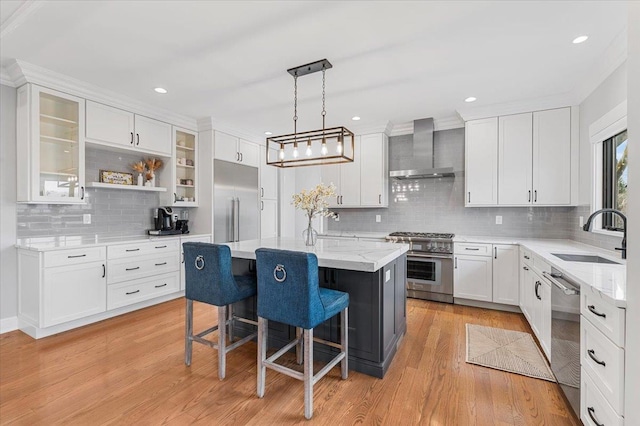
165	222
182	224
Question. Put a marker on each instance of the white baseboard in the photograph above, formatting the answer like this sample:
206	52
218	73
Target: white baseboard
8	324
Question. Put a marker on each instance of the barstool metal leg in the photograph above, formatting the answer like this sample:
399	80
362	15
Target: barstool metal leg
222	338
308	373
344	342
299	357
263	325
188	332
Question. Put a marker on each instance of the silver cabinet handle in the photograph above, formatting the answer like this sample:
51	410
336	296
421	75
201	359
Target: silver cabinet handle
261	205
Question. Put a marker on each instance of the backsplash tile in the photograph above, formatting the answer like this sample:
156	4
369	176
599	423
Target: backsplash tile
114	212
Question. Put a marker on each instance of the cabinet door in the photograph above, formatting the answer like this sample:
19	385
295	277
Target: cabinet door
505	274
249	153
473	278
226	147
374	172
331	175
526	292
72	292
552	157
350	179
536	306
184	179
268	176
109	125
481	158
153	135
545	317
268	218
515	159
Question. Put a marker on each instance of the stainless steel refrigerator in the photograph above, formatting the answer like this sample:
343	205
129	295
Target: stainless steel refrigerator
236	210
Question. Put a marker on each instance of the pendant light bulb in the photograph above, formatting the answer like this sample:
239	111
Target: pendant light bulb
339	147
308	152
324	149
295	150
281	152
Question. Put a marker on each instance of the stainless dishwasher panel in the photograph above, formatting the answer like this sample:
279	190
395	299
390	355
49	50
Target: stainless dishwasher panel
565	336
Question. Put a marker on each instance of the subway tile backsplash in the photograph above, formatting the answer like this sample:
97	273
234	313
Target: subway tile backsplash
114	212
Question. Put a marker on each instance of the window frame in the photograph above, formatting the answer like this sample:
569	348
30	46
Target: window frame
608	182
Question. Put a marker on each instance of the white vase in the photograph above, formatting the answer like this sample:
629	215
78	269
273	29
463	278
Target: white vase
140	179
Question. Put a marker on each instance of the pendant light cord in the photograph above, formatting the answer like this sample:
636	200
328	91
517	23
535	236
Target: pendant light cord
324	112
295	104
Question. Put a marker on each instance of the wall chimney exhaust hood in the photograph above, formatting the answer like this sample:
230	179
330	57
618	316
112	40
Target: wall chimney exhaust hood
423	160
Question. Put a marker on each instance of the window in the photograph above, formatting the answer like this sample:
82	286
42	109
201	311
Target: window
614	180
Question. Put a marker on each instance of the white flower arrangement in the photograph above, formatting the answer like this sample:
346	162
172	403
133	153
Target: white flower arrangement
314	202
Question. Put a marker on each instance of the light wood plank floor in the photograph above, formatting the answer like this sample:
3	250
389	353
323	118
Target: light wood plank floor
130	370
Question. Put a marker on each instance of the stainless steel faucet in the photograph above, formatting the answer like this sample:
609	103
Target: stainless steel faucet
587	227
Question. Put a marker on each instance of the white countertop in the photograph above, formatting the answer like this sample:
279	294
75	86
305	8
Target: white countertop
353	234
67	242
367	256
608	279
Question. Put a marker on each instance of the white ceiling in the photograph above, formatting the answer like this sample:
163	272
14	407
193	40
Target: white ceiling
393	61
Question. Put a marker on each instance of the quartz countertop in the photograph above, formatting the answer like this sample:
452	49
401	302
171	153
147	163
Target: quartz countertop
353	234
68	242
366	256
608	279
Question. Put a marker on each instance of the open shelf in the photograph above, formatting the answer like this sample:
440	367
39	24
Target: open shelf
185	148
51	173
58	121
127	187
56	140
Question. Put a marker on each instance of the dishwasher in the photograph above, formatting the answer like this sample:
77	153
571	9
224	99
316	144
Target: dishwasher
565	335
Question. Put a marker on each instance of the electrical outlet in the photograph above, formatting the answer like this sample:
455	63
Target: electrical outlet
337	217
581	221
86	219
498	220
378	218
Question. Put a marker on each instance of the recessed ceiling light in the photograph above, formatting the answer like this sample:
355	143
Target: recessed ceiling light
580	39
470	99
355	118
268	133
160	90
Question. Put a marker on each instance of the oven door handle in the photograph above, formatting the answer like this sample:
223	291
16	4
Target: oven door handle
431	256
566	290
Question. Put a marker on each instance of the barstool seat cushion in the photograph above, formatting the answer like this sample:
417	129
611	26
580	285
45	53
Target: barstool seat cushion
297	300
209	278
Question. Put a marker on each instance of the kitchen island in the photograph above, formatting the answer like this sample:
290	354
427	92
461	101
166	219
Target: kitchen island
374	275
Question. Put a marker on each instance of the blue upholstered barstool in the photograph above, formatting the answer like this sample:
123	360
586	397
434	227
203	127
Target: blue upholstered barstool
208	279
288	292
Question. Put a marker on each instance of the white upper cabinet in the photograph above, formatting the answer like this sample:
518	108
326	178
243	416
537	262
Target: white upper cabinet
347	179
235	150
515	159
115	127
481	159
50	148
374	170
185	168
552	157
331	175
268	176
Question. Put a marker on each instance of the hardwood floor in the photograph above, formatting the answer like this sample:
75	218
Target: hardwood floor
130	370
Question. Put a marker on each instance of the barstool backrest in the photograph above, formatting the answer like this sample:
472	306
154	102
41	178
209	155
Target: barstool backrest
208	274
288	290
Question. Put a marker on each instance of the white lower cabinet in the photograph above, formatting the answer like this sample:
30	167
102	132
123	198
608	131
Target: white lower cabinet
594	408
130	292
72	292
486	272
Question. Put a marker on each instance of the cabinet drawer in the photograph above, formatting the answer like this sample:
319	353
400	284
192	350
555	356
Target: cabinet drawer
605	363
143	248
594	408
128	269
526	257
74	256
473	249
123	294
607	318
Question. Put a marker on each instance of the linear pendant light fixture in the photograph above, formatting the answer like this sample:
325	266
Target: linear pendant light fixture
316	147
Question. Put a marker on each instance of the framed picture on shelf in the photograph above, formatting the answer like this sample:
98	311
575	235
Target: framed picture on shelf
117	178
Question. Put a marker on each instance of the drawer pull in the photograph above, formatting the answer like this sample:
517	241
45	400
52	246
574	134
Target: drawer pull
591	411
132	292
592	308
161	246
132	269
535	290
527	257
592	355
77	255
104	270
472	249
133	249
525	268
160	264
161	285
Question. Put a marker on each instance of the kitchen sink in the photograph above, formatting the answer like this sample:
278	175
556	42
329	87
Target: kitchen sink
588	258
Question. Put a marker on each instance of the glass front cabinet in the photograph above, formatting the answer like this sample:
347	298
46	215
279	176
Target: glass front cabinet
184	170
50	149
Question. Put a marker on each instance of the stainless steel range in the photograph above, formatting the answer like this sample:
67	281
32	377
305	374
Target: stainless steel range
429	264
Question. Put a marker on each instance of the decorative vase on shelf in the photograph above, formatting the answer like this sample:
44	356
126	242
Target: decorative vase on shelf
140	179
309	235
153	179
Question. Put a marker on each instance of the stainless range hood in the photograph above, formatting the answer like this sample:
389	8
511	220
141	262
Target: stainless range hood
423	160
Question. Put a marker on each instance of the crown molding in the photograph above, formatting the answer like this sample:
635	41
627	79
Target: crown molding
518	107
21	72
209	123
439	124
5	78
371	128
402	129
26	8
614	56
